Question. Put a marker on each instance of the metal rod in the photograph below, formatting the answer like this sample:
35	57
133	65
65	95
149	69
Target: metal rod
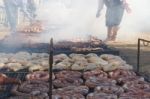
50	68
139	51
144	40
138	56
146	43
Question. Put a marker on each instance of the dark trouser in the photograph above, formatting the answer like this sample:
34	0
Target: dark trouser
12	14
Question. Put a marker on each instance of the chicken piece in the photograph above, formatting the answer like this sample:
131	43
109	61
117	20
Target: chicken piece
15	66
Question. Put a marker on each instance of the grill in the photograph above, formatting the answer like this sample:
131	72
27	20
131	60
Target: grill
44	48
22	73
84	47
7	92
105	51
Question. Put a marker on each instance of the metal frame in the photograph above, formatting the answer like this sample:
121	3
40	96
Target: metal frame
145	43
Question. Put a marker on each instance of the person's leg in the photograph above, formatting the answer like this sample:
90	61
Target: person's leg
114	33
118	12
109	23
109	33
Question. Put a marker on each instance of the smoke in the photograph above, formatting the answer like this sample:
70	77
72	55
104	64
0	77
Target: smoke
137	24
71	19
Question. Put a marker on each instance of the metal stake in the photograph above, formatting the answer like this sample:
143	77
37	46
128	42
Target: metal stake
50	68
138	56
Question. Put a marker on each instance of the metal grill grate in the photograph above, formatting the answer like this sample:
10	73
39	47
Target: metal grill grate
7	88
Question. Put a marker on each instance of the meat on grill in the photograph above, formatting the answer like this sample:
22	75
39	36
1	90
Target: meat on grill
31	88
101	96
94	82
72	89
39	75
68	96
68	78
7	80
68	74
64	82
121	73
95	73
109	89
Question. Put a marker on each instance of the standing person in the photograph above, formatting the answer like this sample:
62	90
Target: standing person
114	14
12	6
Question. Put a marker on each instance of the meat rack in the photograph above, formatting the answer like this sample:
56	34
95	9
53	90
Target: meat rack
145	43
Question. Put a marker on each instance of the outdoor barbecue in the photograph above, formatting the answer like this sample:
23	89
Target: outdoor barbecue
88	80
76	74
57	49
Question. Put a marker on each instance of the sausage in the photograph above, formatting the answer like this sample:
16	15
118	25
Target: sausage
29	88
68	74
72	89
64	82
94	82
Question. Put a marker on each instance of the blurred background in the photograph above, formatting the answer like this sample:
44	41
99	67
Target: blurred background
71	19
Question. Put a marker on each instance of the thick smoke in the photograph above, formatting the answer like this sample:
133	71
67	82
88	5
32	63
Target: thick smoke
71	19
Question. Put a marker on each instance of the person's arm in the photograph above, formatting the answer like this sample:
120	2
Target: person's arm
100	7
126	6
